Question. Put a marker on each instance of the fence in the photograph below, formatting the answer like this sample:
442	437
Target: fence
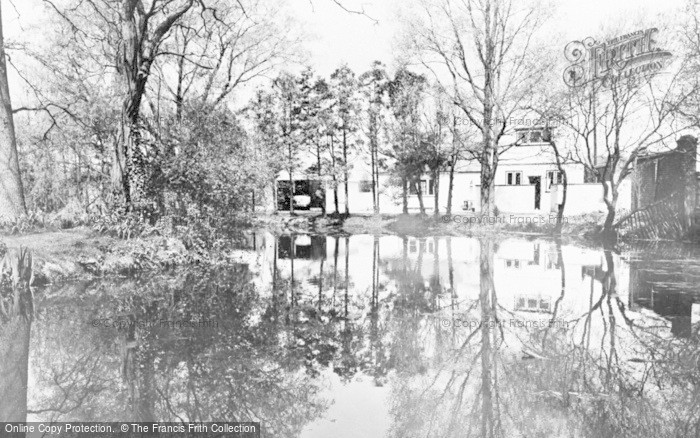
662	219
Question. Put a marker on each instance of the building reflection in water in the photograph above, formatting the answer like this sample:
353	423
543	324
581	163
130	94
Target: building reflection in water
456	336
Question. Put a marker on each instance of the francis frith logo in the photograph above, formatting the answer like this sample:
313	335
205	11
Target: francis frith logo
630	55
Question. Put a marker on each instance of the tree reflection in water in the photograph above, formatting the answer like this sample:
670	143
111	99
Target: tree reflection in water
16	315
368	306
247	366
605	374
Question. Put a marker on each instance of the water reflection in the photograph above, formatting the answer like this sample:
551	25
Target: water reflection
16	315
432	336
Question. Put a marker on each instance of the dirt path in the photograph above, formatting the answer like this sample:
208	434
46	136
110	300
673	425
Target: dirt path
59	253
49	242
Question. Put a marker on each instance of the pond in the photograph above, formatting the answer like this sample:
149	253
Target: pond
378	336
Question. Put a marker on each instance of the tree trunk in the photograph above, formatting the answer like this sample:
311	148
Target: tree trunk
610	198
404	184
560	209
565	186
345	163
335	178
488	191
374	141
320	177
134	61
376	178
373	152
335	195
436	193
489	155
275	204
419	190
291	189
132	171
12	202
450	187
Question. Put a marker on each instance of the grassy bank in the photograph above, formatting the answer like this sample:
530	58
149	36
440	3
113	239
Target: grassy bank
86	252
470	225
422	225
83	253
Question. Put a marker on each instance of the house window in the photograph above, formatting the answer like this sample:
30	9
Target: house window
533	304
365	186
554	177
513	264
523	137
468	206
514	178
412	246
431	187
534	135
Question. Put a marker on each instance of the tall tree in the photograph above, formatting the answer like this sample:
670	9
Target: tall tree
142	33
286	86
132	33
375	86
480	52
615	119
12	202
436	155
225	47
406	94
329	130
264	108
345	90
310	121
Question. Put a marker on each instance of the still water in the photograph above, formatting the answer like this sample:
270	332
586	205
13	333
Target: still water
365	336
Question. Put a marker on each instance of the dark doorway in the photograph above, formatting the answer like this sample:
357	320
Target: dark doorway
537	182
311	188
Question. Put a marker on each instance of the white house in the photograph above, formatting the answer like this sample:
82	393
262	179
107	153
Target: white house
527	181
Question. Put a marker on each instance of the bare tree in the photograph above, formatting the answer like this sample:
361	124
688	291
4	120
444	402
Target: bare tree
479	51
615	120
133	33
228	45
11	191
141	39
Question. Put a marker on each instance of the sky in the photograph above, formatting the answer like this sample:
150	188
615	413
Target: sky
336	36
343	37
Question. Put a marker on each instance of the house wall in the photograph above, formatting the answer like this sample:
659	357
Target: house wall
531	161
658	177
360	202
588	198
465	188
528	161
581	198
515	199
